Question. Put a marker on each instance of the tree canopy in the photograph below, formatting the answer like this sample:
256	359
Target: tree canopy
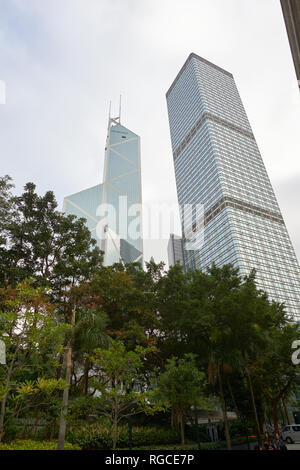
110	336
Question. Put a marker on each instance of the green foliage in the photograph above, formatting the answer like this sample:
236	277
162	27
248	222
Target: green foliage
28	444
7	209
98	437
42	243
192	433
89	331
11	431
41	386
185	336
33	341
240	428
274	371
126	297
180	384
219	445
119	381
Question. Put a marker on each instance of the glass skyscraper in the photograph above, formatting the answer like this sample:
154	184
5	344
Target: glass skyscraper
291	14
218	164
113	209
175	250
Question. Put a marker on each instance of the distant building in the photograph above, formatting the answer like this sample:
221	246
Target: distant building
175	250
218	164
120	190
291	14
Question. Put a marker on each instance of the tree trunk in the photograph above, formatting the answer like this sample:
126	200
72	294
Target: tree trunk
115	431
36	422
275	415
227	434
59	368
86	376
232	397
182	429
261	417
4	399
286	411
257	427
172	418
63	423
3	407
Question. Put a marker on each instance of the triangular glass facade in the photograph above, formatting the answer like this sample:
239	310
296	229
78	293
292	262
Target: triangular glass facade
121	189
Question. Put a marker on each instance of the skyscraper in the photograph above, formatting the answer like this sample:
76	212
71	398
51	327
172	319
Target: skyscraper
291	14
112	209
175	250
218	164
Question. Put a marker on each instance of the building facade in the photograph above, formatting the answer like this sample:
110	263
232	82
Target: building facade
218	164
175	250
291	14
113	209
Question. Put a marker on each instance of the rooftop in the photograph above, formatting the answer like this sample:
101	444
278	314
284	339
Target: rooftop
196	56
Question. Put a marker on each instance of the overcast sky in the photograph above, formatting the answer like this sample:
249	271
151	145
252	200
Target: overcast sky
64	60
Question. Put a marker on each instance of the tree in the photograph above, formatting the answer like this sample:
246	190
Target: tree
222	284
124	301
241	318
180	315
65	401
251	318
222	318
89	334
7	207
276	374
35	398
42	243
121	384
179	386
33	341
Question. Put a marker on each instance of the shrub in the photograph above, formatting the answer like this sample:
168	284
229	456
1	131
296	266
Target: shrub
28	444
99	436
11	431
191	433
148	436
239	428
219	445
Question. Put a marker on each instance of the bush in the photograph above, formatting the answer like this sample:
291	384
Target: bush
28	444
191	433
148	436
219	445
239	428
160	419
11	431
28	429
99	436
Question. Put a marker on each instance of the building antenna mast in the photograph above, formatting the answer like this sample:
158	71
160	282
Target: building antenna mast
120	109
109	112
116	120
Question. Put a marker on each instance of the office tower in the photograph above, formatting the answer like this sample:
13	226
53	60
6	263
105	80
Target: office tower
113	209
291	14
175	250
217	163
